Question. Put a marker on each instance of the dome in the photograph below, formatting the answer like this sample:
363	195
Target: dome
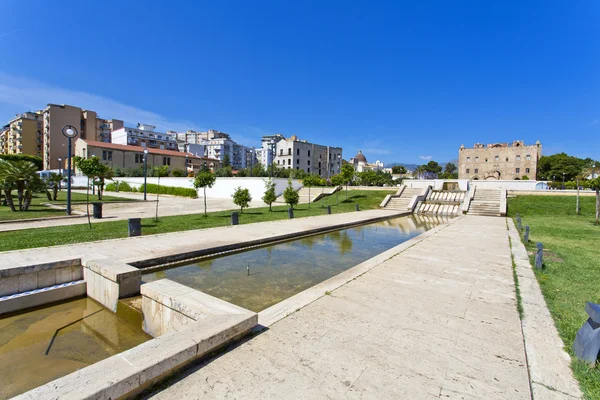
360	157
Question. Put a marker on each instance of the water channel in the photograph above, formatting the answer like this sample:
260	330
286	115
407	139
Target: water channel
258	278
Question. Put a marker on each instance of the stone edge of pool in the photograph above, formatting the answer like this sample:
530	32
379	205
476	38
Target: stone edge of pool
177	316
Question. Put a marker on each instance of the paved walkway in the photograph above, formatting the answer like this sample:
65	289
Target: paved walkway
438	320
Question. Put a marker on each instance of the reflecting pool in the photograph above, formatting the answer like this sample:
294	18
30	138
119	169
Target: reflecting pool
256	279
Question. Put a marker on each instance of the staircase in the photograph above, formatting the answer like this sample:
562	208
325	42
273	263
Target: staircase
486	202
401	203
442	202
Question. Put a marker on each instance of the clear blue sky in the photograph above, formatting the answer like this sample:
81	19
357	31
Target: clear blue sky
402	80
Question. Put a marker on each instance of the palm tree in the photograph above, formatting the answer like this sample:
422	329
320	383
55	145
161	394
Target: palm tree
7	184
55	180
22	175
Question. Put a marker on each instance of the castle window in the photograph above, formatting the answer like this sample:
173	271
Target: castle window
496	158
486	160
468	159
506	159
468	170
476	171
526	170
518	170
528	157
518	158
476	159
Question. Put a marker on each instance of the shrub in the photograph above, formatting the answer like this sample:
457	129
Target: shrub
290	195
178	173
269	196
171	190
118	186
242	198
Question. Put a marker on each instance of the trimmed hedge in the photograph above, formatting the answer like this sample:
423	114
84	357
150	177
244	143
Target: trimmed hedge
118	186
173	191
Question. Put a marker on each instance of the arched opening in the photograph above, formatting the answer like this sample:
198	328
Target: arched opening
517	178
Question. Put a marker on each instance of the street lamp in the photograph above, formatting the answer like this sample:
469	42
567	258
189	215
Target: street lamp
563	185
339	163
69	132
272	156
186	165
594	171
251	160
145	170
60	171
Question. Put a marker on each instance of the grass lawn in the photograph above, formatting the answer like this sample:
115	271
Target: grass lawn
571	276
41	237
37	210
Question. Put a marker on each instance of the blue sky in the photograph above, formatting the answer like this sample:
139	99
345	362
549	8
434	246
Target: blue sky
405	81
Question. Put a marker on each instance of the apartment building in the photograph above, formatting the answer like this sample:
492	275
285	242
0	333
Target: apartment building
292	153
4	139
506	161
144	135
23	135
129	156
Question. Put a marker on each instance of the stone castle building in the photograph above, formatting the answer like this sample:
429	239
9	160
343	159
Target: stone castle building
500	161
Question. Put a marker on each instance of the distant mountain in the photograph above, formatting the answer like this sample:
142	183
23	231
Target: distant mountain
412	167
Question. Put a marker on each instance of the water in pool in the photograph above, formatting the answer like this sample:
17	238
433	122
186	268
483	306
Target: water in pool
44	344
281	270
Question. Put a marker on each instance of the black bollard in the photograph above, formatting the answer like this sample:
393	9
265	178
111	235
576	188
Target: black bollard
235	220
526	236
328	209
290	213
135	226
357	208
539	257
587	341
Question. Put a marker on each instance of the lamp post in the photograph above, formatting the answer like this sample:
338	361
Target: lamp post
563	185
339	163
70	132
251	160
93	185
272	156
186	165
145	170
60	172
594	171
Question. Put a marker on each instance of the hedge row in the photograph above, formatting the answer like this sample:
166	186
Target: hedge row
151	188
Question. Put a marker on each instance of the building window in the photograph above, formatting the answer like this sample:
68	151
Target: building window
308	162
476	159
297	152
486	160
139	158
166	160
518	158
319	172
289	152
297	161
476	171
496	158
309	153
308	170
297	167
280	152
528	157
506	159
468	159
277	162
319	165
518	170
106	155
527	170
289	161
468	170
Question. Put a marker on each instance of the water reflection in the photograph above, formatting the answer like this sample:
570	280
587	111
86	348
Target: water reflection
282	270
39	346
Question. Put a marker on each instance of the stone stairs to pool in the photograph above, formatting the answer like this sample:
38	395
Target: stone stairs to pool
486	202
442	202
402	201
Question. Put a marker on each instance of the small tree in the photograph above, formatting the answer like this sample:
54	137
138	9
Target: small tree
290	195
269	196
90	167
242	198
337	180
347	173
398	169
595	185
159	172
226	161
309	181
54	180
204	179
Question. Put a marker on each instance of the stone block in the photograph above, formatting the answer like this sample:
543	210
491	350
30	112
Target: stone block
101	289
42	297
9	285
27	282
46	278
77	272
63	275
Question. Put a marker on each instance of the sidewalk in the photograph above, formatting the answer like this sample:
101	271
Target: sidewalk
438	320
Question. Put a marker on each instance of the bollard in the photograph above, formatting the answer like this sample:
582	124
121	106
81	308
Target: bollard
135	226
97	210
539	257
328	209
519	226
587	341
526	236
518	217
235	220
357	209
290	213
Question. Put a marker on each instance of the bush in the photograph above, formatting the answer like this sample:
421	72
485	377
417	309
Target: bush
118	186
173	191
178	173
290	196
39	163
242	198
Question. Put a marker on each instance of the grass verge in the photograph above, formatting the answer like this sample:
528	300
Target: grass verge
59	235
570	276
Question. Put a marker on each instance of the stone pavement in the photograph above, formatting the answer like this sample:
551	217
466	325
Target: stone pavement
438	320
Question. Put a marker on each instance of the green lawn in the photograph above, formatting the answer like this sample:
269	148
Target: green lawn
571	276
37	210
41	237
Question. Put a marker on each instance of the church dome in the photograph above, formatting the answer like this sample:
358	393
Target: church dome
360	157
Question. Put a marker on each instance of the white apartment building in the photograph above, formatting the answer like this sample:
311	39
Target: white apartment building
293	153
268	144
215	145
145	136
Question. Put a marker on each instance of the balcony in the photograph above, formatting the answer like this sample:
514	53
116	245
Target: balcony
152	143
133	141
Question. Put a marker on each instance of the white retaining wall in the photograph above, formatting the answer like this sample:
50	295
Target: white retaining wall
464	184
223	187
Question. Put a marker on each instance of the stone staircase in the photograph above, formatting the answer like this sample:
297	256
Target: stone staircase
401	203
442	202
486	202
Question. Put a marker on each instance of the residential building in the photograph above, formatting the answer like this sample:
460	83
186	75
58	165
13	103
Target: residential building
265	154
360	164
89	127
499	161
129	156
292	153
144	135
23	135
216	145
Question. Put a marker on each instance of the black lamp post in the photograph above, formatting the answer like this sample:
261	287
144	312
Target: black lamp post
60	172
186	165
251	160
339	163
563	185
70	132
272	156
145	170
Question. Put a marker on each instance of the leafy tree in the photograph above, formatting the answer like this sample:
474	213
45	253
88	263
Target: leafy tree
258	170
347	173
450	168
269	196
398	169
203	180
242	198
337	180
309	181
178	173
554	166
224	172
226	161
54	180
290	196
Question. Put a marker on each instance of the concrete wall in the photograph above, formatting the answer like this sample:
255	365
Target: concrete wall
23	279
464	184
436	184
508	185
223	187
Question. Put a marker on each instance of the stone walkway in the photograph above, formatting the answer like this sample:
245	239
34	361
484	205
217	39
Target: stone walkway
438	320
